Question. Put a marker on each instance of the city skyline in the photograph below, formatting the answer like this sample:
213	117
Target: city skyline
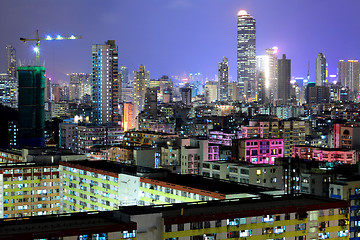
176	36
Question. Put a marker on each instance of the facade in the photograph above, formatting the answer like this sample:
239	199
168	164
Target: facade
150	103
347	188
286	217
81	138
106	87
284	76
258	150
140	84
140	138
223	79
246	54
80	86
211	91
31	106
352	78
345	136
262	175
347	156
186	96
28	189
321	70
8	91
104	186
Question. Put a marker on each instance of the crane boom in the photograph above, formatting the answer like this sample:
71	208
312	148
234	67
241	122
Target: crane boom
37	39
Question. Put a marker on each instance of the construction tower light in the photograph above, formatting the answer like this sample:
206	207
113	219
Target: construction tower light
37	39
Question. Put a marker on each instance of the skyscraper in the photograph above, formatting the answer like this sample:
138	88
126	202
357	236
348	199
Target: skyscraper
352	78
140	84
150	105
106	87
341	73
321	70
266	66
11	61
124	76
223	79
80	86
284	74
31	106
246	54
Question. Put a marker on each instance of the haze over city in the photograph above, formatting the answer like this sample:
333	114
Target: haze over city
173	37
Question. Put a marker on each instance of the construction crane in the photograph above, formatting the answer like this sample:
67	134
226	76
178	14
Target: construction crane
37	39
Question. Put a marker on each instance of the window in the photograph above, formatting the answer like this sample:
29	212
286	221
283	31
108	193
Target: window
180	227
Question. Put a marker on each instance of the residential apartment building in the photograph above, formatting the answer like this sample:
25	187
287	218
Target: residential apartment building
28	189
347	156
286	217
257	150
105	185
348	188
263	175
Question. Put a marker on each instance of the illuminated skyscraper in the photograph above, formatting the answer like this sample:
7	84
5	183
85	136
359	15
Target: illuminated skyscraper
106	87
11	61
266	66
352	78
140	84
284	74
246	54
341	73
321	70
223	80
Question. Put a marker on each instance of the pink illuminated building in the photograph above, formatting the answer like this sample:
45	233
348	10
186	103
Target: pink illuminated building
326	154
344	136
258	150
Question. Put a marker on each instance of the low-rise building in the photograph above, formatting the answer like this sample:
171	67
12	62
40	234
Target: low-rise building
343	155
257	150
105	185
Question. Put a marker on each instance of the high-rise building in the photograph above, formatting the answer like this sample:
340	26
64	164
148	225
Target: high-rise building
106	87
223	79
261	98
124	71
341	73
140	84
186	96
271	73
321	70
246	53
31	106
80	86
284	74
11	61
352	78
211	91
267	64
150	105
8	91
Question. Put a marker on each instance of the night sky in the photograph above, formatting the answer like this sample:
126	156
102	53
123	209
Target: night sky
175	36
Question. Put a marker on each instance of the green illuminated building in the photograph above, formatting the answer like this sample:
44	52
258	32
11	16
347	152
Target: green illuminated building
31	106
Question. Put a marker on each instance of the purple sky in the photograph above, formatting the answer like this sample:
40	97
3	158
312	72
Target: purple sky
173	36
